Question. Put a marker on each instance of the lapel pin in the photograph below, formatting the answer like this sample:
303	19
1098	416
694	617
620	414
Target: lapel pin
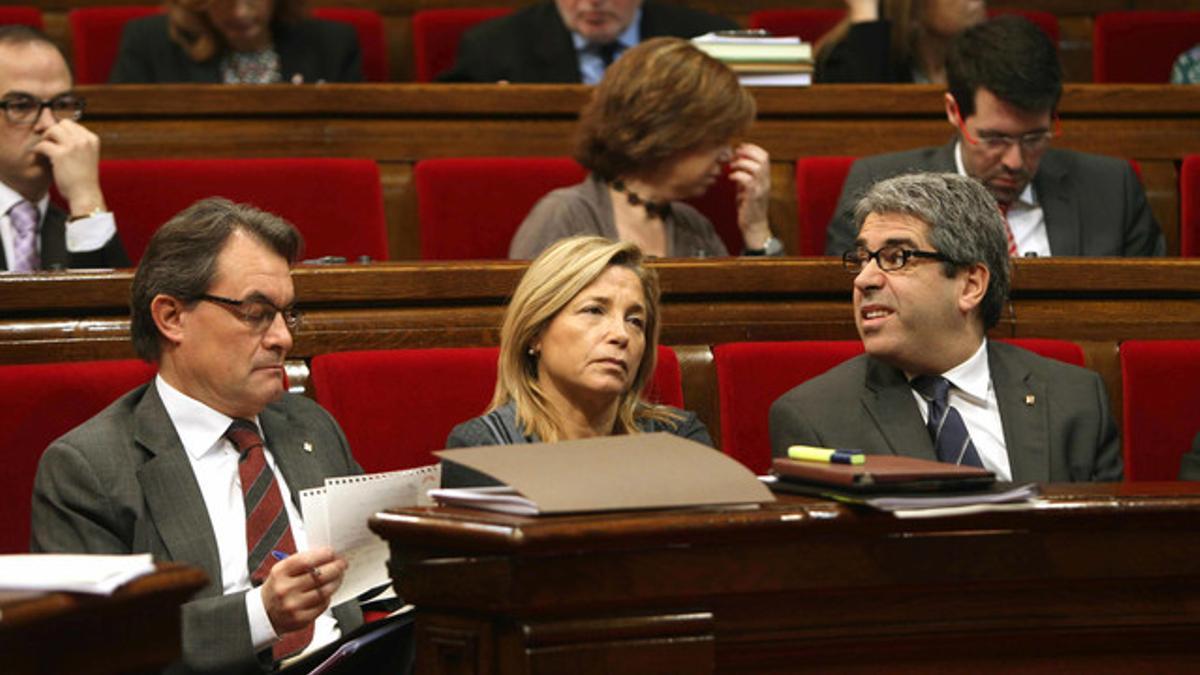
308	446
1030	399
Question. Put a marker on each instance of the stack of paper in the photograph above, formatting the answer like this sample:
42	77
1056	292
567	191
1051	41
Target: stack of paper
761	60
75	573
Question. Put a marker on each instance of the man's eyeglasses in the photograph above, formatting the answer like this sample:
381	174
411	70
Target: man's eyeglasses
25	109
992	142
889	258
258	314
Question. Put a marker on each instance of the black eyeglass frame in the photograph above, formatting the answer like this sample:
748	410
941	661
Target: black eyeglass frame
54	104
854	262
238	308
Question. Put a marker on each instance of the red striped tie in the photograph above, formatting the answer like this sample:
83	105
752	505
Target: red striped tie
1012	241
267	527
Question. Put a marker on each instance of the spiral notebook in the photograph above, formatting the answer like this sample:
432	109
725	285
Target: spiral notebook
336	515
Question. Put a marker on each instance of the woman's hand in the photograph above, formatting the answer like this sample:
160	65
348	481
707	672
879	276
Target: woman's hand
751	170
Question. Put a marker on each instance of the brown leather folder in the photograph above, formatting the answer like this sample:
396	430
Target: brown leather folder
884	473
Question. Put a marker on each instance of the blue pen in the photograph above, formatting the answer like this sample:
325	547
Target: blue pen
278	555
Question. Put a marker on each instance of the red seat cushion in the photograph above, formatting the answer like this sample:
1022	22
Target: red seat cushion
1141	46
96	38
40	403
1189	207
372	41
398	406
22	14
1061	350
337	204
1161	396
819	183
437	32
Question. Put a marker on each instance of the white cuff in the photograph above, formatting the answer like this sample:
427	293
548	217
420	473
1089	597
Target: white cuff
262	633
91	233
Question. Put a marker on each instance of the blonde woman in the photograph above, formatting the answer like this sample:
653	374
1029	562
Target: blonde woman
237	42
577	347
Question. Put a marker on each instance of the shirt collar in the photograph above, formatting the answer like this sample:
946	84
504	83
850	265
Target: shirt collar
9	198
1027	198
632	35
200	428
972	377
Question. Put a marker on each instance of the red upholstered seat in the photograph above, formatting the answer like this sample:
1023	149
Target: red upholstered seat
41	402
372	41
96	38
437	32
1189	207
470	207
751	375
337	204
811	23
398	406
1141	46
818	185
1160	380
22	14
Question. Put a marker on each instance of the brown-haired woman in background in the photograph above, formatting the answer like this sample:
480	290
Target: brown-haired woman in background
894	41
577	347
237	42
659	128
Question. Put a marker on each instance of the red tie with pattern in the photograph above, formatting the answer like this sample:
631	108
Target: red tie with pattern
267	527
1012	241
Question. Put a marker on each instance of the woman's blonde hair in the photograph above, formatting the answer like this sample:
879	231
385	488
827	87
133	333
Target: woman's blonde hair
189	26
553	279
903	17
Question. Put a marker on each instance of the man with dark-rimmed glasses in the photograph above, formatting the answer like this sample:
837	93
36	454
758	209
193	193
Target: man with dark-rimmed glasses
931	276
41	141
1004	82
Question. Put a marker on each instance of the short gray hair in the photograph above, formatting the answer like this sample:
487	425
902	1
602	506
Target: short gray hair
964	221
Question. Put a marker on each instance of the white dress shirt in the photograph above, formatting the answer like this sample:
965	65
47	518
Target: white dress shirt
973	395
214	460
84	234
591	66
1025	217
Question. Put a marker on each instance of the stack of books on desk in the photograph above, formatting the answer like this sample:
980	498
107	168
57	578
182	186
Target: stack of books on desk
759	59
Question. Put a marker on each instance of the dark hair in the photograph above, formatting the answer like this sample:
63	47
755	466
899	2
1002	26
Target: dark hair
661	98
181	259
1008	56
964	222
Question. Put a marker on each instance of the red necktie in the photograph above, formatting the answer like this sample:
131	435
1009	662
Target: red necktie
1012	241
267	526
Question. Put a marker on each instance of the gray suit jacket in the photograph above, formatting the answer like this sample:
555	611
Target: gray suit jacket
1065	435
1093	205
55	255
121	483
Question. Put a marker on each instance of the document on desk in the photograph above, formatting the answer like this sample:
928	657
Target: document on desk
76	573
336	516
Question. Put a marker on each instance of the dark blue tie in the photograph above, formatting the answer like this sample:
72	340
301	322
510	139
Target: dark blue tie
950	438
608	52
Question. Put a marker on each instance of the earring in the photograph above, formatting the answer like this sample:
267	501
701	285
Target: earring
533	352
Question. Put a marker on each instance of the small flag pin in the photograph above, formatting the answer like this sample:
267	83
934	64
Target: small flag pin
308	446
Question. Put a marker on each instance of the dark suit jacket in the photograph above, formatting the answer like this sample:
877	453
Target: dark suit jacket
864	55
1067	434
54	247
315	49
122	483
1093	205
533	45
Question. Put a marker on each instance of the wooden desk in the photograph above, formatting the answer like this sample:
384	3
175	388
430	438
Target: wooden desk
1106	580
136	629
398	125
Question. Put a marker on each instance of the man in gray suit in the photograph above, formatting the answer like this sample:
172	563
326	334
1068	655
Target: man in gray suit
158	470
1005	82
931	276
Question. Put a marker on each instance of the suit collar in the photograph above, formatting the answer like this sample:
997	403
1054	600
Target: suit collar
889	402
554	51
1059	209
1024	414
294	450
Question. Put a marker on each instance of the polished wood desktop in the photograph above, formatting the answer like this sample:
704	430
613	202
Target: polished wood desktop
1106	578
136	629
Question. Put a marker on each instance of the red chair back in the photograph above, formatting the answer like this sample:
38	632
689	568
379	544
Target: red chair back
398	406
22	14
1160	382
719	205
437	32
337	204
811	23
1189	207
96	38
1061	350
1141	46
818	185
41	402
372	40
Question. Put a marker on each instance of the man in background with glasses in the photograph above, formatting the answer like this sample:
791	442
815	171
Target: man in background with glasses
931	276
1005	82
41	140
